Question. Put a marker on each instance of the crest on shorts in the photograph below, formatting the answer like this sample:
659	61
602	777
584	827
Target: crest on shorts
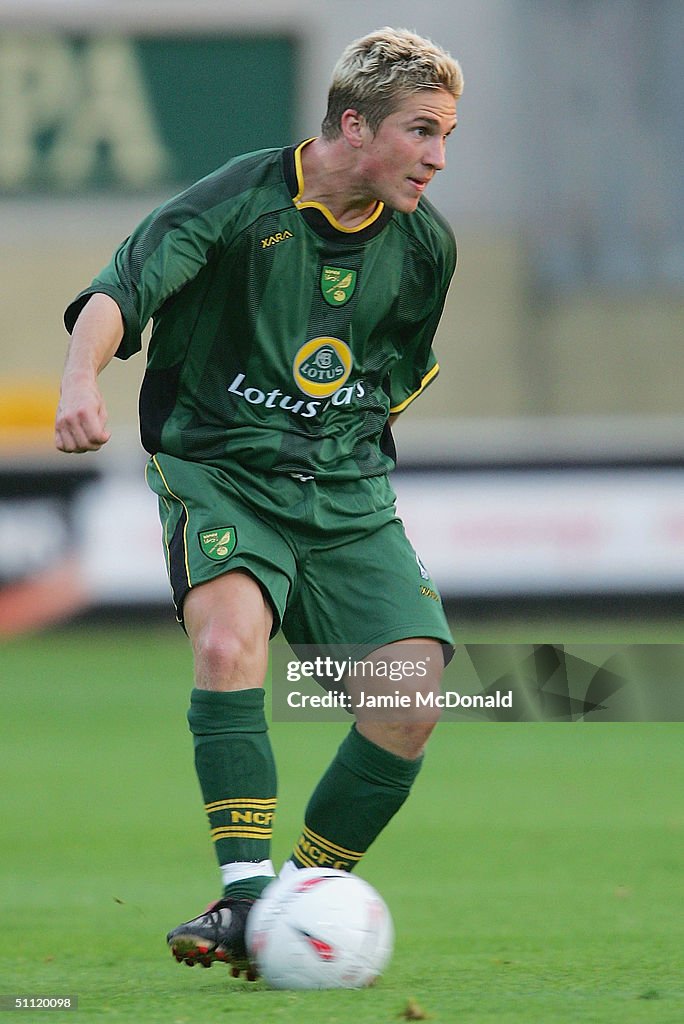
218	544
337	285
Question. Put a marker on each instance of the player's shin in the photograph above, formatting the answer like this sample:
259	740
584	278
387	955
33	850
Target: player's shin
362	789
237	776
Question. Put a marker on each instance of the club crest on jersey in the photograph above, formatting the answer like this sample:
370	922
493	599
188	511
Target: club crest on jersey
218	544
337	285
321	366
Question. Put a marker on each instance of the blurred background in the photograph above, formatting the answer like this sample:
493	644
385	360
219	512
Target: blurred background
546	463
541	478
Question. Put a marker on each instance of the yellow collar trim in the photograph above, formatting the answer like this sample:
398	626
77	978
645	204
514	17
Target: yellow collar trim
329	216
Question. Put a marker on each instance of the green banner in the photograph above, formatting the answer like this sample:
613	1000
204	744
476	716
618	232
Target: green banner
126	113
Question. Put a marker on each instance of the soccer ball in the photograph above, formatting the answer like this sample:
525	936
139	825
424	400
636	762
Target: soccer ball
320	928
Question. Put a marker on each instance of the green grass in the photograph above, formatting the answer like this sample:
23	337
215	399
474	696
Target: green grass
535	876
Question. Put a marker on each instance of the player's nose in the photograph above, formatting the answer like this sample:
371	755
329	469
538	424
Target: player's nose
436	154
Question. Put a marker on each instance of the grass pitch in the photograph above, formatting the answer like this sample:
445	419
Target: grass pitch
535	876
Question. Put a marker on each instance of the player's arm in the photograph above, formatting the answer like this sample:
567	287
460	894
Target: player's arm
81	421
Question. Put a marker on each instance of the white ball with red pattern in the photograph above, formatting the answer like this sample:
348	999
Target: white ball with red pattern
320	928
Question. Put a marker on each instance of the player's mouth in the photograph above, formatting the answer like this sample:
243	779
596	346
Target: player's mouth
420	184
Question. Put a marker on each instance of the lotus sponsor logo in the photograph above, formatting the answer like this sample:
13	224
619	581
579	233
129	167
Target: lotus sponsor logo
277	399
322	366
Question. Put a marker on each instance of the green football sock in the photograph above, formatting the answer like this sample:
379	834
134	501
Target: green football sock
361	790
237	776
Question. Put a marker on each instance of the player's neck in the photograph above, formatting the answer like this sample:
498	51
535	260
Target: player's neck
328	172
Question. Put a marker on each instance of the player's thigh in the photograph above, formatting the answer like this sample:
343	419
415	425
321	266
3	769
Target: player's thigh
209	530
366	593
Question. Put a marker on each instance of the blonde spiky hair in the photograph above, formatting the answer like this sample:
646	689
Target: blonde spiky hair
375	73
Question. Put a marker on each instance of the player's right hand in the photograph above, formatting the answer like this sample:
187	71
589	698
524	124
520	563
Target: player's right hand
81	420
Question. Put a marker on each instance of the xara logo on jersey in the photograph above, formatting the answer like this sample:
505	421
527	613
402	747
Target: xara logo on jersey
321	366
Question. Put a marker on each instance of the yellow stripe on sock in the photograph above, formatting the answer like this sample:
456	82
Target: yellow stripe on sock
240	833
331	847
257	805
301	856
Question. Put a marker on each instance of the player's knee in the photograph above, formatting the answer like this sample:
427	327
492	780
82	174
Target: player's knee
414	738
226	660
405	739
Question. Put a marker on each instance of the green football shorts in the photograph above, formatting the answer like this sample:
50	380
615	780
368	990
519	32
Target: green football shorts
333	560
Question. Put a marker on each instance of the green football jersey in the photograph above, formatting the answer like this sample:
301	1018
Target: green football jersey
281	339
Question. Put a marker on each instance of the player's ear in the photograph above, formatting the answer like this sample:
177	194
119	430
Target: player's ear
353	125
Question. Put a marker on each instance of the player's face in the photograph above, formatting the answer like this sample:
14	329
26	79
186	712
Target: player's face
408	149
